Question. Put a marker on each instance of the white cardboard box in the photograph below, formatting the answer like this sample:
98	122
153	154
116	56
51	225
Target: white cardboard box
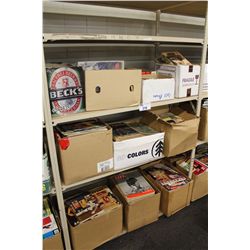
186	78
155	90
138	150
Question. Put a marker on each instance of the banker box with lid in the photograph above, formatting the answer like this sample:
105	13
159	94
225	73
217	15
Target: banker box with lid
85	149
66	88
185	73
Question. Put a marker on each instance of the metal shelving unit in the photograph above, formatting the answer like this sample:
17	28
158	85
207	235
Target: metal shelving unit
78	40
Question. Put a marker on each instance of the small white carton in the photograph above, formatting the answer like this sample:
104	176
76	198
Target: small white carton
138	150
157	89
186	78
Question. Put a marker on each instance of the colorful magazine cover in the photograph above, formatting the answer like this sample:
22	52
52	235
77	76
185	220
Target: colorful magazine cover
85	206
167	177
133	185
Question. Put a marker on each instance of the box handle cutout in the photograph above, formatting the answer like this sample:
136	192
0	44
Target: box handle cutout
190	68
131	88
97	89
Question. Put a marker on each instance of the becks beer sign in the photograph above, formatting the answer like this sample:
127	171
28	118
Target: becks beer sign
65	89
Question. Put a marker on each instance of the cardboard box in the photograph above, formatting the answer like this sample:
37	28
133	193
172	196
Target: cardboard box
174	200
203	127
179	137
110	89
157	88
186	78
54	243
97	231
138	150
85	155
140	212
200	186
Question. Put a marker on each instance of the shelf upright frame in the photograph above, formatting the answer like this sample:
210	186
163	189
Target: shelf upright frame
200	95
53	158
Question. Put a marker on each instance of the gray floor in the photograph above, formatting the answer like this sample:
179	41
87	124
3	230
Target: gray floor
187	229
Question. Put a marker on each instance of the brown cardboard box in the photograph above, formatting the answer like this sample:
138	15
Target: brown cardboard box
86	155
139	212
200	184
109	89
200	187
179	137
171	201
97	231
203	127
54	243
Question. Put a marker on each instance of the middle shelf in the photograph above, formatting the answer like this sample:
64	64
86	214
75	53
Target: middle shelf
91	114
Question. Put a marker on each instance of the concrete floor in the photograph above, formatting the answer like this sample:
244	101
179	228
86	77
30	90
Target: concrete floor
185	230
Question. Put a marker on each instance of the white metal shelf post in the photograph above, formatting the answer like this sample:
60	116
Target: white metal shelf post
53	158
200	96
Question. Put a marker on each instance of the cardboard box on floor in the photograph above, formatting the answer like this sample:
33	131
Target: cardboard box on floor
85	155
110	89
141	212
174	200
98	230
203	127
156	87
54	243
200	184
179	137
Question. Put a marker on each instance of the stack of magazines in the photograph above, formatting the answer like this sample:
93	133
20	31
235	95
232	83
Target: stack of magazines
124	130
86	206
166	176
82	127
133	185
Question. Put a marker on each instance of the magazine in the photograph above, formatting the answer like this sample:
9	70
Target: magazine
133	185
199	167
50	227
167	177
142	128
82	127
171	118
121	129
85	206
